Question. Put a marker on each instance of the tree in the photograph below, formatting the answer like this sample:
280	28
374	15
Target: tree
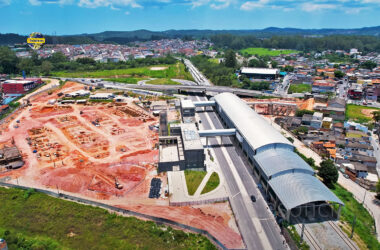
58	57
274	64
86	60
46	67
328	172
376	116
25	64
301	112
338	74
8	61
378	190
368	65
230	59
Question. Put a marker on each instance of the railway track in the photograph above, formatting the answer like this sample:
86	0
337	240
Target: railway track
313	243
341	234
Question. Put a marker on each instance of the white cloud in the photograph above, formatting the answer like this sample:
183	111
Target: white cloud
220	4
127	12
198	3
35	2
108	3
310	7
250	5
5	2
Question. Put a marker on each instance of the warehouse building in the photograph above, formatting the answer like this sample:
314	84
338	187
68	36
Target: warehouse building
19	86
260	73
286	178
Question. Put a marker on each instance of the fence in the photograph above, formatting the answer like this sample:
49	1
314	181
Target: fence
158	220
198	202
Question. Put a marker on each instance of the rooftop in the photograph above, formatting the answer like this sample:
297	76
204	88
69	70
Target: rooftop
187	103
257	131
295	189
190	137
264	71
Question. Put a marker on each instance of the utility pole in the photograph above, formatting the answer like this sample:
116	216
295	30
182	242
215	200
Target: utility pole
353	227
365	192
302	230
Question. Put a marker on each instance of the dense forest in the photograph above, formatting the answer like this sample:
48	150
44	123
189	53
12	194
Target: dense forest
363	43
10	64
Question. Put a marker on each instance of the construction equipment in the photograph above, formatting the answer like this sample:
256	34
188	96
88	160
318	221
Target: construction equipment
118	185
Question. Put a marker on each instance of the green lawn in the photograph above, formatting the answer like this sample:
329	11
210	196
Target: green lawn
266	52
214	60
212	183
131	80
30	220
364	222
299	88
193	179
163	81
354	112
172	71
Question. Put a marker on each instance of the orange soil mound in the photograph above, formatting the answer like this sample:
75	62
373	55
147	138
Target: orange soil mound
44	111
149	156
215	223
94	178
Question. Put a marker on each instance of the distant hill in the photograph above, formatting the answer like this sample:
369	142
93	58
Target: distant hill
267	32
123	37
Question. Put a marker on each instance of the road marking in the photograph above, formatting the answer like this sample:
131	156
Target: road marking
235	195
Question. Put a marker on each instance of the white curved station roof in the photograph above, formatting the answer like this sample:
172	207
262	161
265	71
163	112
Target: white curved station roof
298	189
257	131
289	176
278	161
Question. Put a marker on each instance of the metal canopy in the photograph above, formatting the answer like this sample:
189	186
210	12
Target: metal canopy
279	161
298	189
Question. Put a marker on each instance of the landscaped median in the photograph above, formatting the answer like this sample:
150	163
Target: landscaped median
193	180
212	183
31	220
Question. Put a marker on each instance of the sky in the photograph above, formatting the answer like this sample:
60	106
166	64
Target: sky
64	17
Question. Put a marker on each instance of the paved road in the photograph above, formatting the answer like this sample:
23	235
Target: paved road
282	87
256	222
197	75
126	86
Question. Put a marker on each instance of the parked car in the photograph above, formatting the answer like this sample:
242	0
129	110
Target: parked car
253	198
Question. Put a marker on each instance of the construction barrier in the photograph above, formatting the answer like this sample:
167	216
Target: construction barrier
158	220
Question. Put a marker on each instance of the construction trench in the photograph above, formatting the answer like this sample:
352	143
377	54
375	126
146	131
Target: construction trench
104	151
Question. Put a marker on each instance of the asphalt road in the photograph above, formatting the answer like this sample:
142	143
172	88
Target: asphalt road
256	222
197	75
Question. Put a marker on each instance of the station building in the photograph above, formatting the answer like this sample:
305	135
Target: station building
181	150
286	178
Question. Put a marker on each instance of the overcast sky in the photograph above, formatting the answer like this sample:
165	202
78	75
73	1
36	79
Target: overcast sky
90	16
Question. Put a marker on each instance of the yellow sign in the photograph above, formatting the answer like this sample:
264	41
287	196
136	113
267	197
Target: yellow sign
36	40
